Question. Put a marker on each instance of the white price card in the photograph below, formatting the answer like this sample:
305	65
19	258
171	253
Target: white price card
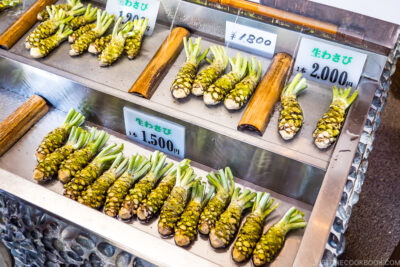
322	62
135	9
161	134
250	39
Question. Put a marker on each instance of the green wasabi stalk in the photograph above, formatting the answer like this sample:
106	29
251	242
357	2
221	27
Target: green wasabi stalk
47	28
208	75
44	14
143	188
291	118
80	158
82	43
217	91
47	45
95	195
89	16
176	202
329	126
186	227
252	228
154	202
242	92
225	186
183	82
116	46
4	4
48	167
92	171
99	44
134	40
272	241
228	224
75	35
56	138
138	167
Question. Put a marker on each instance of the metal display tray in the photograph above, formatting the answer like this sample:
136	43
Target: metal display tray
140	239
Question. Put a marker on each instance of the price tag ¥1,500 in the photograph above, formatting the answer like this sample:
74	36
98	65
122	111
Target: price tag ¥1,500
135	9
322	62
163	135
250	39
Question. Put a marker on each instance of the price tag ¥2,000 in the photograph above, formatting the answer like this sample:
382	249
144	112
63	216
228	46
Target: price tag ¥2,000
135	9
163	135
250	39
326	63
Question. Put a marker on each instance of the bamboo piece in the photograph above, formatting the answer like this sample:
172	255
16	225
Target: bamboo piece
280	15
152	75
16	30
20	121
261	105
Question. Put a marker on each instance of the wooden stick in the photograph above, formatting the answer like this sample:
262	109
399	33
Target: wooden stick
13	33
152	75
280	15
261	105
20	121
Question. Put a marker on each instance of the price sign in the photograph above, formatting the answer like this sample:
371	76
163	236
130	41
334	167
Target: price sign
330	64
166	136
250	39
132	9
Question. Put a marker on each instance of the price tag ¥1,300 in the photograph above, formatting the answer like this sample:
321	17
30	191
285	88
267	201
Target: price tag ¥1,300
163	135
322	62
135	9
250	39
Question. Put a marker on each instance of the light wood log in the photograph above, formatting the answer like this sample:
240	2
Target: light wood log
155	71
261	105
16	30
20	121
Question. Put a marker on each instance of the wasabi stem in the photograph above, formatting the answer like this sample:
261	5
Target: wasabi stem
134	40
76	34
272	241
154	202
242	92
252	228
82	43
329	126
4	4
116	46
45	46
99	44
183	82
95	195
89	16
80	158
56	138
225	186
138	167
44	14
92	171
221	87
176	202
228	224
48	167
186	227
291	118
209	74
143	188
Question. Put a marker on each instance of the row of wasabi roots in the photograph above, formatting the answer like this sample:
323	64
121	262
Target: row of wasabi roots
236	87
84	27
101	177
6	4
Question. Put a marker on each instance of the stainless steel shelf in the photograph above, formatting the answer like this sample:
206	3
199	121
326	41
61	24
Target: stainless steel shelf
113	230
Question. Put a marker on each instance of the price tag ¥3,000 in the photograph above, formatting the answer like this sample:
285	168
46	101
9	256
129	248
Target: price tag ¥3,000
166	136
330	64
135	9
250	39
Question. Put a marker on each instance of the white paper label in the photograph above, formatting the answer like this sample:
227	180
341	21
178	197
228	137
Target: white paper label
330	64
161	134
132	9
250	39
